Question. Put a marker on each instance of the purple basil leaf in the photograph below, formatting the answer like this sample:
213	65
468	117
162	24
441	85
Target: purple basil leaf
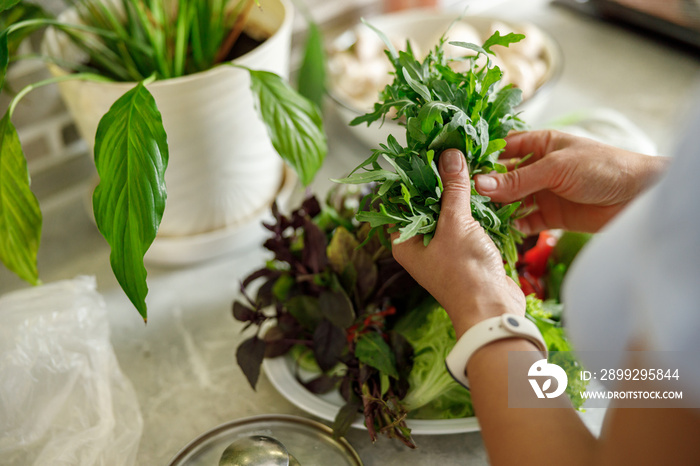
314	254
276	343
337	308
281	248
366	272
242	312
403	351
311	206
329	342
265	298
322	384
264	272
289	325
250	355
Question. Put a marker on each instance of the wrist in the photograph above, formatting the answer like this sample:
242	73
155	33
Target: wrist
479	307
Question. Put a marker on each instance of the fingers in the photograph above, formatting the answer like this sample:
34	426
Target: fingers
538	143
515	185
455	203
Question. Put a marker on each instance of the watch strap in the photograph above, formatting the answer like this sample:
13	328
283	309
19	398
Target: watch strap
485	332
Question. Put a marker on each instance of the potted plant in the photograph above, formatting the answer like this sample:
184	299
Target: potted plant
162	79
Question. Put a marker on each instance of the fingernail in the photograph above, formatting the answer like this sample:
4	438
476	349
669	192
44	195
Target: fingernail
486	182
451	161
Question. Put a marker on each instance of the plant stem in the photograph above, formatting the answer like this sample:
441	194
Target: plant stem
236	31
80	77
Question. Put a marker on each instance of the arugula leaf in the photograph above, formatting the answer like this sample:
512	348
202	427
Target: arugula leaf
293	123
505	41
20	217
441	109
131	155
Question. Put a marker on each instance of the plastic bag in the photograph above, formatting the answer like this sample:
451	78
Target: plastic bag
63	398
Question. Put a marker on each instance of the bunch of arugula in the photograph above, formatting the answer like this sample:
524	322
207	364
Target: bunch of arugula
441	109
326	294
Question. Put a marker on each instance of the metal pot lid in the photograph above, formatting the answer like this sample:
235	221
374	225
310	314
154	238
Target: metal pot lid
310	442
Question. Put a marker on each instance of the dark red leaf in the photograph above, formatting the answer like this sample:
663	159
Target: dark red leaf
337	308
314	254
366	272
242	312
322	384
250	355
329	342
311	206
264	272
276	343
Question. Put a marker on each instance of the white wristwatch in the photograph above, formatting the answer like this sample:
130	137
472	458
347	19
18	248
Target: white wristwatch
483	333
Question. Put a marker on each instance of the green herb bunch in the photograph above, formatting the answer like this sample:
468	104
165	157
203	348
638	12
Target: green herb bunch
440	109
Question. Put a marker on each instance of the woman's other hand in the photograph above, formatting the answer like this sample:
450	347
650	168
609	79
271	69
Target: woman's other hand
568	182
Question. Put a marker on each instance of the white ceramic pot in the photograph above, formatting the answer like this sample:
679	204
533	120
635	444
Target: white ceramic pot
223	169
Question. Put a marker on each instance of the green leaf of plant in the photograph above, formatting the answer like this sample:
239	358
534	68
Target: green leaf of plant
7	4
346	416
293	123
20	217
131	155
312	74
4	58
372	350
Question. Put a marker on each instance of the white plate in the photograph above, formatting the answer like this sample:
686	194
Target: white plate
280	372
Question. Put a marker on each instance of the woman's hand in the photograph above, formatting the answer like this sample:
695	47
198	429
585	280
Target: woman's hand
461	267
569	182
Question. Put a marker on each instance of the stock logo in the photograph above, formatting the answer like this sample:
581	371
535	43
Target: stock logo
541	369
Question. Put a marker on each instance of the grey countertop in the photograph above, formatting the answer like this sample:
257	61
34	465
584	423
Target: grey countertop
182	364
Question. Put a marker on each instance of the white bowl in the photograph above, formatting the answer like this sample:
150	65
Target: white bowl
538	52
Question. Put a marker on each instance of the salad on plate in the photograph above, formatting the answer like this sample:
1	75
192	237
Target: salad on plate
333	299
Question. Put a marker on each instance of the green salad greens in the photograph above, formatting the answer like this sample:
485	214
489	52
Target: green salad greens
441	109
334	297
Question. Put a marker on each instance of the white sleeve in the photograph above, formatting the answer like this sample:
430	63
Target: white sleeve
640	276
